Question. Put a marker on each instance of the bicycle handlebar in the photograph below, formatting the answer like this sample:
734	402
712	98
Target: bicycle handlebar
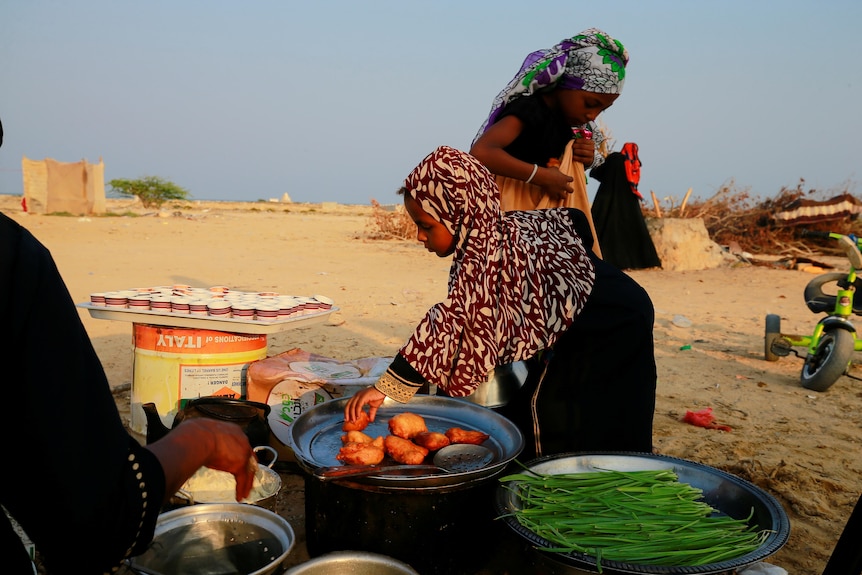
816	234
851	244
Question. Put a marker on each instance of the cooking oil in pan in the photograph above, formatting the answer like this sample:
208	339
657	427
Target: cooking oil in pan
223	547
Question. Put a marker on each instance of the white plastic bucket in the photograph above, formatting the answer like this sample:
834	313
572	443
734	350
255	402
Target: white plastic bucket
173	365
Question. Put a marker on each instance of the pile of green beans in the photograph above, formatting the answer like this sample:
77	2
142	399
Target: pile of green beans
643	517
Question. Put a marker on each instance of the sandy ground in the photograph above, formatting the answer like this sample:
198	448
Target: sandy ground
803	447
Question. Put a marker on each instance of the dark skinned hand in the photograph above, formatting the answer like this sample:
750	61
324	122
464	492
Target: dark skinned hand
584	151
554	183
369	396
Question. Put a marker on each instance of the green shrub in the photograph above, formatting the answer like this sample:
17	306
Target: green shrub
153	191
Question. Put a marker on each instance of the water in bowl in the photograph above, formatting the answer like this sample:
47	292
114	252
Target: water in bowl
223	547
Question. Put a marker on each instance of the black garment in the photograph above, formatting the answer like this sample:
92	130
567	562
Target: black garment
545	132
598	393
620	226
84	490
846	558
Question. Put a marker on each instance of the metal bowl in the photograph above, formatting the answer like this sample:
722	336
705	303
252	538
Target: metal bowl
352	563
222	485
502	386
265	493
315	437
217	538
729	494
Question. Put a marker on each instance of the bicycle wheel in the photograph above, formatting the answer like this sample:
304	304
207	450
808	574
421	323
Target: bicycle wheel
773	332
829	361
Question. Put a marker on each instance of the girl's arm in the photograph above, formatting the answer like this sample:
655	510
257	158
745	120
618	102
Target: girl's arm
490	150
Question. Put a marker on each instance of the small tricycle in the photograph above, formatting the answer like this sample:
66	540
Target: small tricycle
829	349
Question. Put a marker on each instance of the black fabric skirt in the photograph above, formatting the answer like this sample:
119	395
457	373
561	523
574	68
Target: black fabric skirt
595	390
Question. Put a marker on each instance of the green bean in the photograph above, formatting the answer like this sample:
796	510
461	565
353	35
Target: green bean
645	517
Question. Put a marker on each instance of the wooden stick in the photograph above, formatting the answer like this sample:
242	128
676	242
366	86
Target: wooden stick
684	200
655	204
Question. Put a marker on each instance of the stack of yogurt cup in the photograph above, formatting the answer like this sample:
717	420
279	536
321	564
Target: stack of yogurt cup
216	301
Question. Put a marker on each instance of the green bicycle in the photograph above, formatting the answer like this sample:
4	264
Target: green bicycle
829	349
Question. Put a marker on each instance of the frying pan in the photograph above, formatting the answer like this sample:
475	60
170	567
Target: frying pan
315	438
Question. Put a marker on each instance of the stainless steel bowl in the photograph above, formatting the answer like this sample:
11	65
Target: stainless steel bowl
217	538
501	387
222	488
265	494
352	563
727	493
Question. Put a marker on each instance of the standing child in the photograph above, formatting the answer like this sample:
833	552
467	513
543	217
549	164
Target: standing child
527	140
518	281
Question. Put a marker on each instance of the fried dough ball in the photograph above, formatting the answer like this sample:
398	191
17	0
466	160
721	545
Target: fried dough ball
404	451
407	425
431	440
356	437
355	453
359	424
458	435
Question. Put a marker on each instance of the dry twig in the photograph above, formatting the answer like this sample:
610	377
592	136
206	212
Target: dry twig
394	224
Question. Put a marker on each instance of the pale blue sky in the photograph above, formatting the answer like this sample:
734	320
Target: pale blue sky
339	100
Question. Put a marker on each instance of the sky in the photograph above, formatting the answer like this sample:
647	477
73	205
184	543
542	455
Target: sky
337	101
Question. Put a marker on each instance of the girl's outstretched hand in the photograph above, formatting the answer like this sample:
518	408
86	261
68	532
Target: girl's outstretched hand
369	396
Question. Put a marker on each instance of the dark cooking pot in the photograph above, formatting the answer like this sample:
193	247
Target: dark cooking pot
437	522
251	416
438	531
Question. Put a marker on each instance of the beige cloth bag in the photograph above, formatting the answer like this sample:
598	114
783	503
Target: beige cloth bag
519	195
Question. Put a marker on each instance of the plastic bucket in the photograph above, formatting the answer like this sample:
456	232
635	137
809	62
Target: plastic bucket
174	365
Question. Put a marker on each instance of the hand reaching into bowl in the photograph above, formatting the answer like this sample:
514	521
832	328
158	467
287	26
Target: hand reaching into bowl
206	442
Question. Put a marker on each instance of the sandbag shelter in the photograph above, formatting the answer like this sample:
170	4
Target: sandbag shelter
51	186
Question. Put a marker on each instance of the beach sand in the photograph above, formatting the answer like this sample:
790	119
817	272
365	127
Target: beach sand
803	447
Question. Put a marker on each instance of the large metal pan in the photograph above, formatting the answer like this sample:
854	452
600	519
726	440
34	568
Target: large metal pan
315	438
729	494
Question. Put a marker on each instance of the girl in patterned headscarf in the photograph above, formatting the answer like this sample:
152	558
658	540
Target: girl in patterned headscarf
517	283
527	140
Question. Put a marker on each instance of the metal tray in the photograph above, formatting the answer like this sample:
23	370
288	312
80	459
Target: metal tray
729	494
315	436
229	324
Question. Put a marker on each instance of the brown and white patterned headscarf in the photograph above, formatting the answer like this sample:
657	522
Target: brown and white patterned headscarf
517	279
